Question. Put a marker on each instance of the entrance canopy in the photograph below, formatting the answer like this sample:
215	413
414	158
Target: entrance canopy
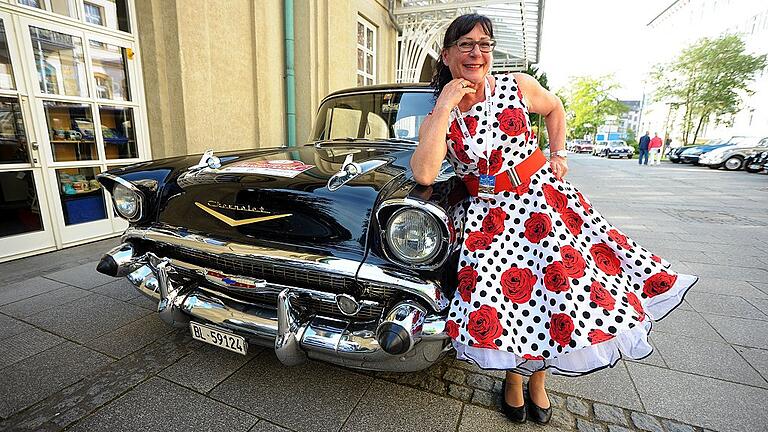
516	26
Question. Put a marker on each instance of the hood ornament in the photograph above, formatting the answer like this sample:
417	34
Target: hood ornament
234	222
351	170
207	160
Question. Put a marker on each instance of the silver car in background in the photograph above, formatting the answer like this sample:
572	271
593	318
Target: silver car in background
731	157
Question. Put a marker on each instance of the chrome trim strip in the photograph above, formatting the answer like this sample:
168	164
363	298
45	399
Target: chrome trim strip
132	188
427	290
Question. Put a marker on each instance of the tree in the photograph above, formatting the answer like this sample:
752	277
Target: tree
536	119
709	80
590	103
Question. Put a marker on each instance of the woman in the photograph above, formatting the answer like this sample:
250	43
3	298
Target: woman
544	281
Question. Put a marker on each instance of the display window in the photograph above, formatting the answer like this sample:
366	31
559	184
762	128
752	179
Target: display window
59	61
109	71
70	131
82	199
117	130
13	139
19	203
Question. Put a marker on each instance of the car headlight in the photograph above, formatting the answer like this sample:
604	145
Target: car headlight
413	236
127	202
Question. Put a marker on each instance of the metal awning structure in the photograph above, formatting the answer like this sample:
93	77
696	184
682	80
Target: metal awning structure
516	25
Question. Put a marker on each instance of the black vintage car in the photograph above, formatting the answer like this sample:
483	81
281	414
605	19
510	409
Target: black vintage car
674	154
328	250
757	162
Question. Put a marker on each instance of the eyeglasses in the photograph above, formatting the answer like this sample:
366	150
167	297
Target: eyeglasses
468	45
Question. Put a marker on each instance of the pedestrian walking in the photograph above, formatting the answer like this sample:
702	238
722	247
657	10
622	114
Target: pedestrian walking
654	149
544	281
642	157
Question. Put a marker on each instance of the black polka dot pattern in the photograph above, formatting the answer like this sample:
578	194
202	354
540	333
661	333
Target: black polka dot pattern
541	273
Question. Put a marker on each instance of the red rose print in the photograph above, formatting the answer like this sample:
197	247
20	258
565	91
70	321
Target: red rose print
555	199
471	123
635	303
572	261
572	221
452	329
601	296
466	284
597	336
556	278
484	326
477	240
605	259
656	258
584	202
560	328
523	187
493	223
532	357
659	283
537	227
619	238
495	161
482	166
461	154
517	284
512	121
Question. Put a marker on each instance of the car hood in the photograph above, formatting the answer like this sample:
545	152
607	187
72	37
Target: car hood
281	195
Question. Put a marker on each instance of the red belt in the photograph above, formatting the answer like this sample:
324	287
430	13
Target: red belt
515	176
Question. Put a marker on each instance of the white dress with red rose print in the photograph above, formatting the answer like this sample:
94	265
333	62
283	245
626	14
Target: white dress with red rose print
544	281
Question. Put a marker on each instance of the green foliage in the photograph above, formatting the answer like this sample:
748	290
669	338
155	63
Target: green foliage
537	121
631	140
590	103
709	80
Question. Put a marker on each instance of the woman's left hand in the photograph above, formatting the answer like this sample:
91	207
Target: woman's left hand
559	166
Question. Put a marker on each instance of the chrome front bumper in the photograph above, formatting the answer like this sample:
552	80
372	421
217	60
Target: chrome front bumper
340	341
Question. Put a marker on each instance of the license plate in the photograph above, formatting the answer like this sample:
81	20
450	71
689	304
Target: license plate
221	339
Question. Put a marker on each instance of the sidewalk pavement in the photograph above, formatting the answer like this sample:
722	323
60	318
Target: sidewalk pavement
82	351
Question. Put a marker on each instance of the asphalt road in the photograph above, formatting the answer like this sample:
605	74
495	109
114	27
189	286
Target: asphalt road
81	351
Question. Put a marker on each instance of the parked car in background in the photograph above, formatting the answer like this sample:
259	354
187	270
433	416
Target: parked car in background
692	153
757	162
328	250
598	148
732	156
674	154
581	146
618	149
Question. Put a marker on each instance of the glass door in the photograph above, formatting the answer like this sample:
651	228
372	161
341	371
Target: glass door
25	225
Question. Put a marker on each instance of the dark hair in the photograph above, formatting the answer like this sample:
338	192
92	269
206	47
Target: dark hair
458	28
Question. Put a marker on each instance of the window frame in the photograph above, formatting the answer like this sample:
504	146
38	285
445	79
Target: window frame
367	25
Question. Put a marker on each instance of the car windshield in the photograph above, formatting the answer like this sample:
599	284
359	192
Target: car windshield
373	115
616	144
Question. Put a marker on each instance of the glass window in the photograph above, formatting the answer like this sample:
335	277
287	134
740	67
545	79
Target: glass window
61	7
13	140
366	52
59	61
82	199
19	201
109	71
94	14
6	71
118	132
108	13
70	130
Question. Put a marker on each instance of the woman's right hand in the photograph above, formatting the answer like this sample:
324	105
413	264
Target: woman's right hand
453	92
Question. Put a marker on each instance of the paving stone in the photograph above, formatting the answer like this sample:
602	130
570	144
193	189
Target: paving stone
381	409
700	401
151	399
655	359
760	286
119	289
673	426
88	318
481	382
729	287
82	276
556	400
577	406
24	383
687	323
44	301
131	337
144	302
646	422
27	344
761	304
334	392
588	426
728	272
758	358
477	419
26	289
485	398
455	376
562	418
610	414
11	327
698	356
460	392
265	426
611	386
751	333
79	400
614	428
724	305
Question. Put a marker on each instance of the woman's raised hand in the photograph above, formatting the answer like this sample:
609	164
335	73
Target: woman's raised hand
453	92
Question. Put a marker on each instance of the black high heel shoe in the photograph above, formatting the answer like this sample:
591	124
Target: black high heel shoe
515	414
536	413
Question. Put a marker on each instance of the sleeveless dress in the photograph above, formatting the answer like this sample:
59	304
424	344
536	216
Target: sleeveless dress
544	281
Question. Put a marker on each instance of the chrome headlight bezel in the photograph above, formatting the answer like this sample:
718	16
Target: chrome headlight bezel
392	209
125	187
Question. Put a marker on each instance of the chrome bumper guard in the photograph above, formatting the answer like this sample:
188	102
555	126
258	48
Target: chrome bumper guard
421	337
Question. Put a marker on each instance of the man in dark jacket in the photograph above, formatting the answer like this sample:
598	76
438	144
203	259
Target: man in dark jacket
642	158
